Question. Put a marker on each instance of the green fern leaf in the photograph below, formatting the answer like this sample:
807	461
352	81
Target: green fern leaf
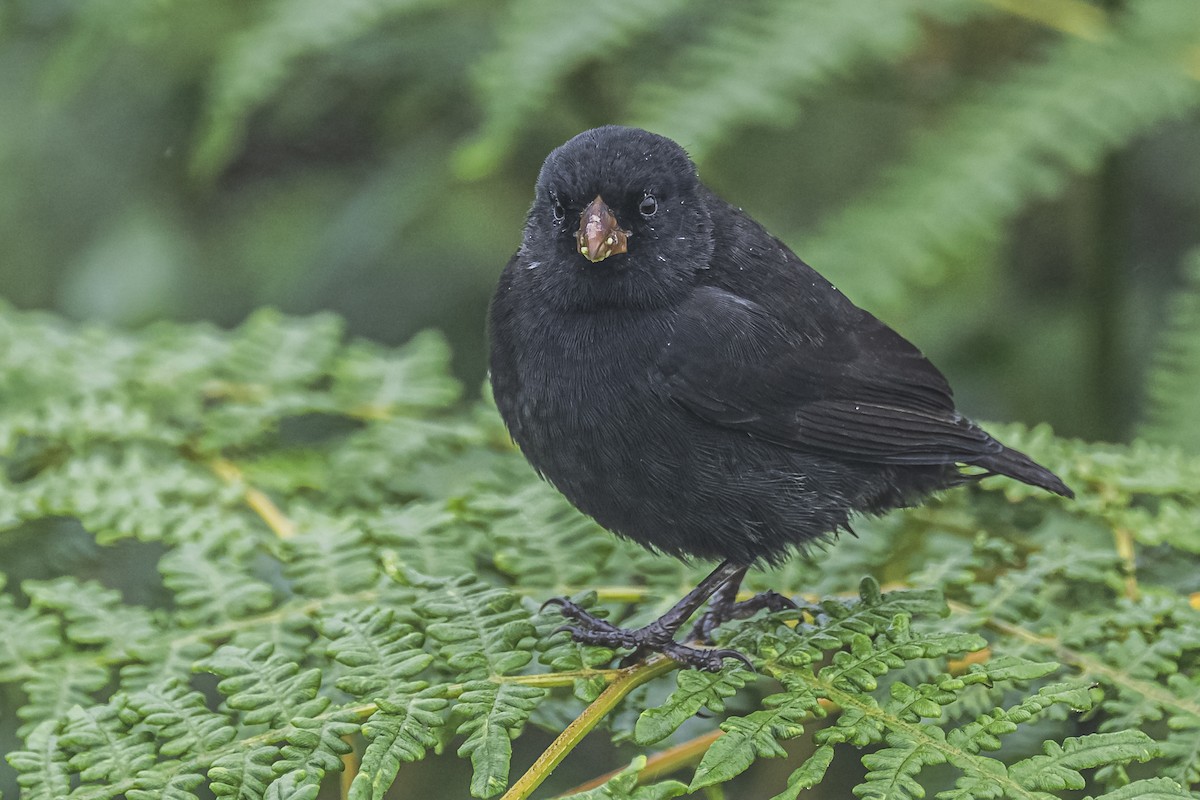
271	689
42	771
298	785
492	716
1175	375
479	627
211	586
315	747
755	58
1182	745
755	736
329	556
379	650
694	690
26	638
858	668
58	687
105	749
262	58
180	720
95	616
892	771
403	728
1148	789
244	773
177	787
538	46
808	774
369	380
426	537
572	554
1059	768
1017	140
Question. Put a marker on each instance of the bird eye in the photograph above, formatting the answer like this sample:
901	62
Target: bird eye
559	212
648	206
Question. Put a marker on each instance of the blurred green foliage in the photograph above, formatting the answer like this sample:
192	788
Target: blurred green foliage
1012	183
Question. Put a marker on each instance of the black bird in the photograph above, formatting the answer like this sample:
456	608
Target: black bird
682	377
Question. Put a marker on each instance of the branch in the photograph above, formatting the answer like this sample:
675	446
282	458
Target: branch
628	680
258	500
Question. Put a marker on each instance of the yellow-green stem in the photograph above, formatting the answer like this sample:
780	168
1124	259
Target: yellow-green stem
628	680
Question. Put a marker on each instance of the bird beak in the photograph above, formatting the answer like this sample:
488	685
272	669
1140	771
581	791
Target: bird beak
599	234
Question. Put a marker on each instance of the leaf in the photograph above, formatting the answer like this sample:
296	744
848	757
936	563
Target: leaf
695	690
1148	789
379	650
756	735
1059	768
399	732
808	774
269	688
491	717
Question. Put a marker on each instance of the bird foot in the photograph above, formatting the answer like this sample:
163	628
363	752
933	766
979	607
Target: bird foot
653	638
722	609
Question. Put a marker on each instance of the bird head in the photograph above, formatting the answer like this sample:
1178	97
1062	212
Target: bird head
619	217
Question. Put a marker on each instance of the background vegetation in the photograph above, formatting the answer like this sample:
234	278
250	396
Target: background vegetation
1013	184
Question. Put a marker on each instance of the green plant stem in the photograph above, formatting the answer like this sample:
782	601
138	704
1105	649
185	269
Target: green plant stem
628	680
258	500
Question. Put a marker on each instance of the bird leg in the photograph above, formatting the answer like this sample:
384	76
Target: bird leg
659	635
724	606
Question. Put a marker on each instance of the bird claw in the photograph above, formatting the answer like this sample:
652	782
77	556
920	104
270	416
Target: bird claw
737	656
653	638
718	613
553	601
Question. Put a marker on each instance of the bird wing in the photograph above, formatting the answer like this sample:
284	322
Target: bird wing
842	383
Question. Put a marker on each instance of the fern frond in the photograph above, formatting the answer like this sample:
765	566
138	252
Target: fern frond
315	747
1018	140
477	627
180	720
491	715
1174	376
42	770
539	43
404	727
26	638
105	749
756	58
262	58
329	556
575	552
754	736
1058	768
246	772
210	586
402	605
269	688
60	686
695	690
377	649
1148	789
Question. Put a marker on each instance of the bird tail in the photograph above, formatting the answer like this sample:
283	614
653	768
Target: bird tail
1016	464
